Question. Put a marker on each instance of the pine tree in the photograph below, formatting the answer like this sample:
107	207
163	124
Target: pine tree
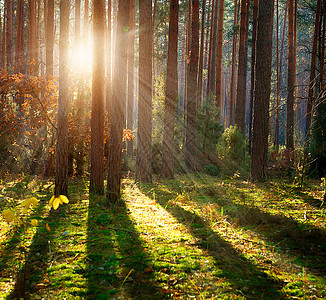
61	179
171	92
98	88
144	151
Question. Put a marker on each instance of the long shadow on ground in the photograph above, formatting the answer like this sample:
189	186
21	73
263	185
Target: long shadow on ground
244	276
32	278
116	259
9	257
305	242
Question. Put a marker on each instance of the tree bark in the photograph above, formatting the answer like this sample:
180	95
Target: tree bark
171	92
262	90
201	56
211	80
240	113
219	55
61	179
192	89
10	33
253	58
311	94
20	35
3	46
278	81
234	64
98	89
49	37
290	88
144	151
118	115
131	66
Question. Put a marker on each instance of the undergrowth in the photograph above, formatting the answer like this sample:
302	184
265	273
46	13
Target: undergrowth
192	237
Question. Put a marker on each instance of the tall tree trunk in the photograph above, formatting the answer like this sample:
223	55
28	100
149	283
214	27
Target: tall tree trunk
20	35
32	36
278	81
290	89
61	178
98	89
49	37
118	115
201	56
219	56
234	63
240	113
171	92
3	46
192	89
109	59
323	42
80	101
144	151
153	45
253	58
262	90
311	94
10	33
131	66
211	80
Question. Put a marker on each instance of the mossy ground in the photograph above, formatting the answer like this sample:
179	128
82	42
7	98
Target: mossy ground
194	237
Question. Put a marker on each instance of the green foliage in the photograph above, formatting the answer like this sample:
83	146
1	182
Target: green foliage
318	139
212	170
208	129
232	151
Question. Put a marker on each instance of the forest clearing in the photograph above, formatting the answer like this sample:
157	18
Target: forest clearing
193	237
162	149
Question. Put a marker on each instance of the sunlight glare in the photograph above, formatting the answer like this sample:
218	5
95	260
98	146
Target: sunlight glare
82	58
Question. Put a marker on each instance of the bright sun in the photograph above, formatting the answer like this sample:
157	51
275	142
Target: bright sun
81	58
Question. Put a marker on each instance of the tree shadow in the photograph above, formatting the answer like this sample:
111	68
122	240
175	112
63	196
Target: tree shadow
13	249
116	258
305	242
36	260
244	276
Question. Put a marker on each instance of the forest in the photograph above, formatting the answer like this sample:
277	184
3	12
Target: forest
162	149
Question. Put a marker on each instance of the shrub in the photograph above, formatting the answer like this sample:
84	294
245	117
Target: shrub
232	151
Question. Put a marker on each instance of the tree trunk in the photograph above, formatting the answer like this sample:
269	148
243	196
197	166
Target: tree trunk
118	115
201	56
262	90
219	56
10	33
192	89
144	151
253	58
323	42
234	64
3	46
20	36
153	44
98	89
240	113
49	37
211	80
131	66
171	92
290	89
278	81
61	179
311	94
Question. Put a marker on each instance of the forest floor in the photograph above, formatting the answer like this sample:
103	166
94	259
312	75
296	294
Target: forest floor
194	237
